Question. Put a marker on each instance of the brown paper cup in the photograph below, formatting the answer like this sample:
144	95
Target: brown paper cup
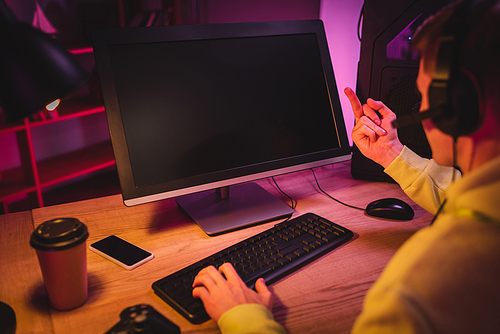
61	249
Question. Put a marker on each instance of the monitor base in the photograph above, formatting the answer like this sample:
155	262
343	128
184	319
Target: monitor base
247	204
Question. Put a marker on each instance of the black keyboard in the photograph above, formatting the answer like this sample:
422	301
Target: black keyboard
271	254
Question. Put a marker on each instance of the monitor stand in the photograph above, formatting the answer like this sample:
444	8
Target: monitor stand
247	204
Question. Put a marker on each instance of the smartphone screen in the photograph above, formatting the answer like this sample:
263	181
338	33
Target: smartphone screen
121	252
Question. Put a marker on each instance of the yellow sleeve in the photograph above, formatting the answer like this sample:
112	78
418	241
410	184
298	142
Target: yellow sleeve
421	179
389	311
249	318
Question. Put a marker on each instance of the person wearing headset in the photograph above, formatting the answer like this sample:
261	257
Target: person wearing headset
444	279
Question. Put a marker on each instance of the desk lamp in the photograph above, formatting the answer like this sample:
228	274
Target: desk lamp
35	69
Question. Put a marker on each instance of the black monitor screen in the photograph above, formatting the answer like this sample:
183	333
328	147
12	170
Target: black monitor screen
192	108
245	102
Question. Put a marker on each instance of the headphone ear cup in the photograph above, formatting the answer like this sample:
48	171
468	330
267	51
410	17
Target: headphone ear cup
461	114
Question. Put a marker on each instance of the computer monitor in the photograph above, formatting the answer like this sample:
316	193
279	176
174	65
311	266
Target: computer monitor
195	108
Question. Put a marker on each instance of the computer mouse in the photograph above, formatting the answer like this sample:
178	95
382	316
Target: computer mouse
7	319
390	208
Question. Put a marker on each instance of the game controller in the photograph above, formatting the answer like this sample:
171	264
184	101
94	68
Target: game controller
143	318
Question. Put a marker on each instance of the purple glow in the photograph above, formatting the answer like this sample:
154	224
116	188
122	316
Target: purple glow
339	16
341	24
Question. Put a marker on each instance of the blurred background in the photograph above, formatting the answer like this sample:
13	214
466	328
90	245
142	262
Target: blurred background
65	155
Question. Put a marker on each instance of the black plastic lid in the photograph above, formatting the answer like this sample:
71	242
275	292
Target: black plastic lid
59	234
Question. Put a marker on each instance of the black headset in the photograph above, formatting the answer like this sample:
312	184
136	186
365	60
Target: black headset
455	96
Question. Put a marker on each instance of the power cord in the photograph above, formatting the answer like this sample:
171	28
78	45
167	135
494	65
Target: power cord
336	200
293	206
294	203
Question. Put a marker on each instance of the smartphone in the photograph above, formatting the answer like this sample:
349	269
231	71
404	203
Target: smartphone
121	252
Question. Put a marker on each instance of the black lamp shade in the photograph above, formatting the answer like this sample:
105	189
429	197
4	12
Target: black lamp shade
34	70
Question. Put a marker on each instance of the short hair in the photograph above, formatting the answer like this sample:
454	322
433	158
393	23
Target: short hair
480	49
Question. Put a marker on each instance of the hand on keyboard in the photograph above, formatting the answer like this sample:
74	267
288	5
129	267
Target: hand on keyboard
270	254
223	289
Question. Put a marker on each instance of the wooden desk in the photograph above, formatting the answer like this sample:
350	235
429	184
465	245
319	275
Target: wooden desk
21	284
324	297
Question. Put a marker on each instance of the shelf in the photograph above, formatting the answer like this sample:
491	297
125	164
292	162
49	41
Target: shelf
72	108
75	164
13	185
10	127
22	188
83	172
58	170
99	184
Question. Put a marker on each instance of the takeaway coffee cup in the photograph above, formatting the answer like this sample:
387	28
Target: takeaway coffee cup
60	245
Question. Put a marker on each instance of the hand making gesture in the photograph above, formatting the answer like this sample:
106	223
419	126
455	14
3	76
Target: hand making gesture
373	134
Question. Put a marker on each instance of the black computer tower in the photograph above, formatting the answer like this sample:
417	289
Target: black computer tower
388	68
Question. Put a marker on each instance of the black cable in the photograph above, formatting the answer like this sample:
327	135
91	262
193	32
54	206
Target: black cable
293	206
285	194
336	200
